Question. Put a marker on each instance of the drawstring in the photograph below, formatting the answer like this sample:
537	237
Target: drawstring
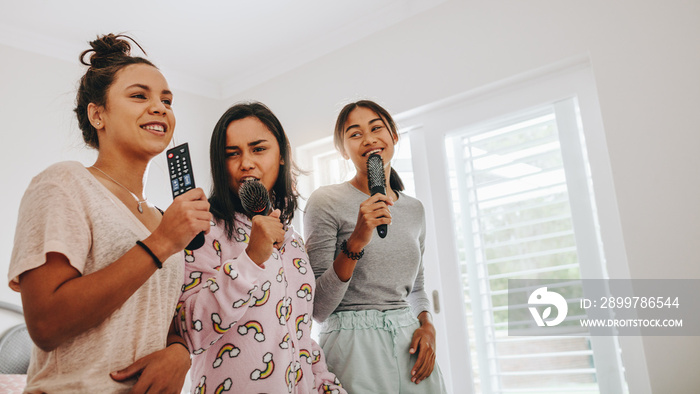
391	327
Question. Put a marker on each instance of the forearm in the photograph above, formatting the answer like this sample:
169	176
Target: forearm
217	299
60	303
330	291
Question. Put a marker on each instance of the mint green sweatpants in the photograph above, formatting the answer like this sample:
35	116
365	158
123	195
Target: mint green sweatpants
368	352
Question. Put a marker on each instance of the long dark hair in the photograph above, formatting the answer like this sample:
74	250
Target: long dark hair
110	54
224	201
394	180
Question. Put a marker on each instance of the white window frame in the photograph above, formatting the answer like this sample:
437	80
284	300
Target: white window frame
432	123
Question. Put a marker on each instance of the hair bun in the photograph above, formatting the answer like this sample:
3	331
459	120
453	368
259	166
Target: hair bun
106	49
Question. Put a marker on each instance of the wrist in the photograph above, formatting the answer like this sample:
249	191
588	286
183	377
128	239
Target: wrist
425	318
352	254
353	245
160	246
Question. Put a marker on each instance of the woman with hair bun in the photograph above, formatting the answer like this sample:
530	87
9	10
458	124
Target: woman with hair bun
98	267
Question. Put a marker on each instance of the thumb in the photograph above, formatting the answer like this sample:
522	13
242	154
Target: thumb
276	213
127	373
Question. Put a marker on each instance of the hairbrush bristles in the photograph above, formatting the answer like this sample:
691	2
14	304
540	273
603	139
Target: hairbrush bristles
254	198
375	173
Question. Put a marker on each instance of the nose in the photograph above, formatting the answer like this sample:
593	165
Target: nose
369	139
246	162
157	107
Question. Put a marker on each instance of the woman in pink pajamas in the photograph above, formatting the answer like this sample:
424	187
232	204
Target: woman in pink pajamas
247	300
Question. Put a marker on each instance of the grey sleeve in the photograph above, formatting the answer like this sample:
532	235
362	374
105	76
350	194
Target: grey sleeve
418	299
321	232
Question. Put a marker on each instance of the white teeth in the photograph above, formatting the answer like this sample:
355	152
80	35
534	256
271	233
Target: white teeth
155	127
373	151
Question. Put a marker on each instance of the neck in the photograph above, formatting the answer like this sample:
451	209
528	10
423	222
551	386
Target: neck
361	182
130	174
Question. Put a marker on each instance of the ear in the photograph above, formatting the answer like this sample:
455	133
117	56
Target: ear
95	116
281	161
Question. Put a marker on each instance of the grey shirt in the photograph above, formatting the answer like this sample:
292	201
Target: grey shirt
388	276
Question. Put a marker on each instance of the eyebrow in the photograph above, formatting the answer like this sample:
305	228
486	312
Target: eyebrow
145	87
253	143
358	126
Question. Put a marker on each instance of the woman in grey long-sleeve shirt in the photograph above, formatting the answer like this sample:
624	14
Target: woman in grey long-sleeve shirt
377	333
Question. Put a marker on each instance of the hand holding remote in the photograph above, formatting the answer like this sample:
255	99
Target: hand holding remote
182	181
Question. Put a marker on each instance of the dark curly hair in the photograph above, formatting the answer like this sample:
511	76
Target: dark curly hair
109	54
224	201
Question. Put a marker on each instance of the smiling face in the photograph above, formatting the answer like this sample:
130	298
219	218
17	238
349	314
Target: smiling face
252	152
365	133
137	116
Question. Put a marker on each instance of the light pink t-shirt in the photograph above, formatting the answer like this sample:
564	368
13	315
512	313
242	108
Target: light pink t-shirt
66	210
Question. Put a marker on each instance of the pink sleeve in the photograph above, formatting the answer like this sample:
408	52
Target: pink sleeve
215	294
325	381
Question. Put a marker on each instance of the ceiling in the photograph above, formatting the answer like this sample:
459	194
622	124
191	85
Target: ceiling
215	48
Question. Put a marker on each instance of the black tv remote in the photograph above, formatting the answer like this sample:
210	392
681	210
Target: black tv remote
182	180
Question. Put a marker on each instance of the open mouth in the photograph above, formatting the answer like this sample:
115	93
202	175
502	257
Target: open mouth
377	151
248	179
156	128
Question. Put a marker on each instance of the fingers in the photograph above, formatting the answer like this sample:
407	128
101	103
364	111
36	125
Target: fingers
129	372
266	233
381	197
424	365
424	346
186	217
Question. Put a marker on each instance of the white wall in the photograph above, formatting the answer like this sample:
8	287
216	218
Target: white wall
39	128
645	60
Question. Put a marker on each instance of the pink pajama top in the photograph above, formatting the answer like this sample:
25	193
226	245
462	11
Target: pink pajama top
249	327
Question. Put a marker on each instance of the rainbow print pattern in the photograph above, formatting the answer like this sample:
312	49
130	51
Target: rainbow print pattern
284	310
216	320
217	247
247	322
285	341
189	256
229	349
265	297
305	291
230	271
202	386
299	264
242	301
297	323
293	375
255	327
306	354
224	386
280	275
196	277
242	236
264	373
211	285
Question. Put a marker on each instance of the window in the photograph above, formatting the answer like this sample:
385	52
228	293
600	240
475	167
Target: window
326	166
504	176
515	219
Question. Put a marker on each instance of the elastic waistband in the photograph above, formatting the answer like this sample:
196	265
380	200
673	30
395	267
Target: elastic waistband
368	319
